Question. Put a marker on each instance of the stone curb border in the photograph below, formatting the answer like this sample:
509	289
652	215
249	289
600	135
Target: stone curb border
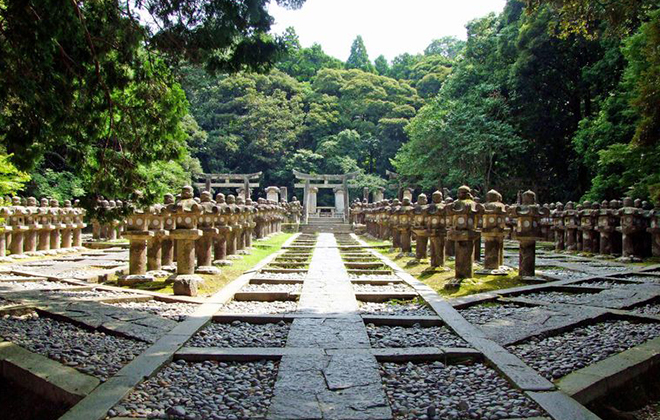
97	404
557	405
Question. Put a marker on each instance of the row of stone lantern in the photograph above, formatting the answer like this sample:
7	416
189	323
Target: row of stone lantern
196	234
447	227
31	228
627	228
111	212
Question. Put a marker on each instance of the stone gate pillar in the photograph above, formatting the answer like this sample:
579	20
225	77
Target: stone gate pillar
312	200
339	200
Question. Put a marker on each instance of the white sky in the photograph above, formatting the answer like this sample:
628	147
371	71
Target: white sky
388	27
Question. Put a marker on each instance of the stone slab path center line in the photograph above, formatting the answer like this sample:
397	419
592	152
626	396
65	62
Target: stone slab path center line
345	384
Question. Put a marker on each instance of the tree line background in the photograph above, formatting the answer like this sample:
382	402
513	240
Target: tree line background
560	96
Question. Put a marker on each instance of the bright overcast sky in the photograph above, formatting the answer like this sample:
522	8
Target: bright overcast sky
388	27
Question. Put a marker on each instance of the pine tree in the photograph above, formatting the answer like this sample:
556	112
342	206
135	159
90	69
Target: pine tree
359	59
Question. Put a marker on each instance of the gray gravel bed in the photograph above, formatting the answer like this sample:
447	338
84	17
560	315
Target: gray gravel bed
91	352
434	390
645	279
382	336
556	297
649	309
482	314
610	284
399	308
565	274
270	275
177	311
557	356
241	334
256	307
206	390
265	287
372	276
32	285
384	288
89	294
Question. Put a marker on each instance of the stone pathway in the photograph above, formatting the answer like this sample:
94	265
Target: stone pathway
341	382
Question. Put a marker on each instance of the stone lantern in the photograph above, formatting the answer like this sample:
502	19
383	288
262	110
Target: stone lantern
420	216
528	231
57	218
251	223
632	224
222	221
405	213
450	247
571	225
236	228
166	242
5	229
586	227
32	222
18	227
156	225
137	232
187	213
79	225
654	230
437	229
494	230
67	219
394	223
408	193
557	216
242	221
204	245
272	193
45	220
464	214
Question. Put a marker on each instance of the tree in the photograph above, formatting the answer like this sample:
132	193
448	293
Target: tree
11	179
359	59
447	46
381	65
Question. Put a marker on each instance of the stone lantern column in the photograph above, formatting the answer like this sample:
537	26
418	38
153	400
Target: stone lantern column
242	220
57	218
420	215
138	234
166	242
5	229
631	224
272	193
435	223
408	193
586	229
113	224
32	222
557	216
79	225
68	222
155	222
527	231
494	231
234	223
19	227
222	220
187	212
571	225
405	214
45	220
251	224
339	199
204	247
464	213
394	223
450	246
654	230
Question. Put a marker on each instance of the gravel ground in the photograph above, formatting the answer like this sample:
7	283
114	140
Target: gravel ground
241	334
385	288
371	276
646	279
565	274
5	302
610	284
264	287
482	314
91	352
393	336
556	297
650	412
270	275
89	294
176	311
557	356
255	307
32	285
434	390
203	390
399	308
650	309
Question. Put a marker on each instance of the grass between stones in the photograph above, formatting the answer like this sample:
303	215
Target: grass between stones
437	279
213	283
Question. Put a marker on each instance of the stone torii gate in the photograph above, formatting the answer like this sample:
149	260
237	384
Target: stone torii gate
229	181
322	181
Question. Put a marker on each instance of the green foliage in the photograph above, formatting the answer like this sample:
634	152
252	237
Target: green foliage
381	65
61	185
359	59
447	46
11	179
303	63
